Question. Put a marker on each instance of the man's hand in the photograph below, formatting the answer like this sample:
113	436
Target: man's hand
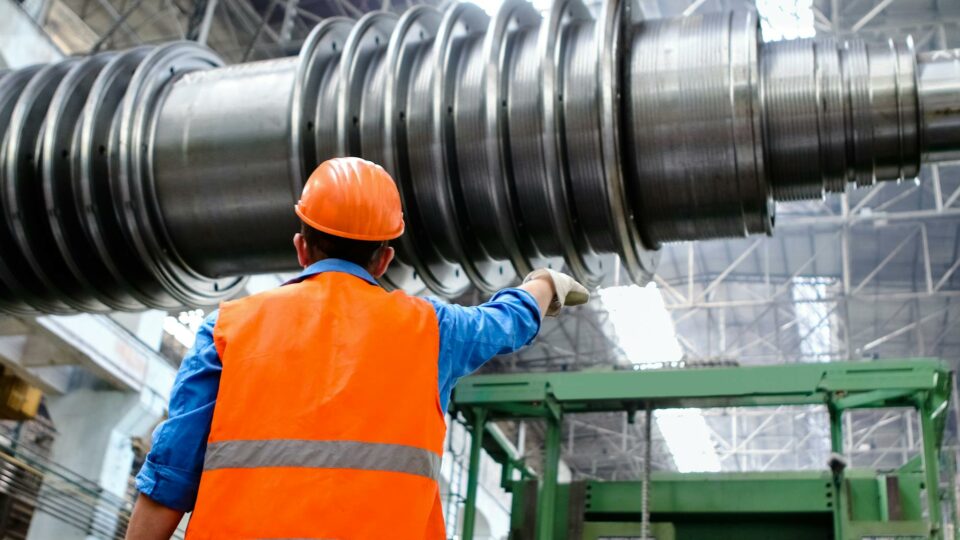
152	520
563	290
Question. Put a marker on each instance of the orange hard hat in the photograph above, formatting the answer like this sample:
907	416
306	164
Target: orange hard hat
352	198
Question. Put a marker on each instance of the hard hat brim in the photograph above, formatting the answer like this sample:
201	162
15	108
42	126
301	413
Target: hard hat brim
343	234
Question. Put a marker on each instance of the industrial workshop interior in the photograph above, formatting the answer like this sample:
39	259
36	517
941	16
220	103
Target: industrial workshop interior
761	198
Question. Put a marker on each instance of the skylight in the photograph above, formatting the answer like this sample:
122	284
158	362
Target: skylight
643	325
184	326
688	439
645	332
786	19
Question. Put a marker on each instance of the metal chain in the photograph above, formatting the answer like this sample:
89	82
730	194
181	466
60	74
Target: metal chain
647	453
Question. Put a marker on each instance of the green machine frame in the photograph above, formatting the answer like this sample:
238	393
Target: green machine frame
837	502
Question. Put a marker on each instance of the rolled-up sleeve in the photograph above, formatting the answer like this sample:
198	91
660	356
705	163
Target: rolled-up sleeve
171	473
470	336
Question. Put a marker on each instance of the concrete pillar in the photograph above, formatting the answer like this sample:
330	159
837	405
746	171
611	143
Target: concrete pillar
94	431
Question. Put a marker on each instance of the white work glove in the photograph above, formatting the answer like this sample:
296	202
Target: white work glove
568	291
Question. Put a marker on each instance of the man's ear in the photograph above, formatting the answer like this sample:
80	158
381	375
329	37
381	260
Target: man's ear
382	261
303	252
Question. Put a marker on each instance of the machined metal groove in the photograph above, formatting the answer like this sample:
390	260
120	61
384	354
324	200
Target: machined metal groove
90	176
18	297
149	178
413	31
853	60
582	134
318	52
325	122
480	124
22	201
145	226
910	115
431	103
858	106
939	93
556	178
830	115
639	261
460	31
705	100
788	74
363	43
81	267
519	139
746	133
416	151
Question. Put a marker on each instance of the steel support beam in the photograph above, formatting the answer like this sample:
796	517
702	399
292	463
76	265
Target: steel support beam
473	475
919	383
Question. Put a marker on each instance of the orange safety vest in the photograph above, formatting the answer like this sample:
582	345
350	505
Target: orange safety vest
328	421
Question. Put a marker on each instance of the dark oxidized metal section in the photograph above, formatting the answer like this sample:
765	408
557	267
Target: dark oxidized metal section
154	177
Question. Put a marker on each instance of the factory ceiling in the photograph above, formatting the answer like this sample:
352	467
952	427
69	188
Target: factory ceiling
869	275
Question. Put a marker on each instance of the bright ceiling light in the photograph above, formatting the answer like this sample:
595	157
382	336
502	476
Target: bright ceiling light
688	439
786	19
642	324
645	332
184	326
491	6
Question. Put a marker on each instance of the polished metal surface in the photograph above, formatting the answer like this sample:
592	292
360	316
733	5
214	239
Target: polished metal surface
153	177
22	200
81	268
135	182
15	277
214	201
939	80
693	130
94	143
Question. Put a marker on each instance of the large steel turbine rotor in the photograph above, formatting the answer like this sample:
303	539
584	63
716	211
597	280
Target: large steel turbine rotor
155	177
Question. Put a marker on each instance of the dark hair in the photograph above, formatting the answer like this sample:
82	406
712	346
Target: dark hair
327	246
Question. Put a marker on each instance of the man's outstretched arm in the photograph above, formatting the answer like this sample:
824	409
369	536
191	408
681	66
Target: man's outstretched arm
170	477
470	336
152	520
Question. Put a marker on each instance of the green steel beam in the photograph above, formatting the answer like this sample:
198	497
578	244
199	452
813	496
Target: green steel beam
853	504
877	383
473	473
504	452
951	490
839	503
704	506
715	493
778	493
607	530
547	496
931	469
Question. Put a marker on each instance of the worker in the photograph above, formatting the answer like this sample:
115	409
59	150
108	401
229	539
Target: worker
316	409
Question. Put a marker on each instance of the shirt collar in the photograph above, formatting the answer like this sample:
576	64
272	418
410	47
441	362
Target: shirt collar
333	265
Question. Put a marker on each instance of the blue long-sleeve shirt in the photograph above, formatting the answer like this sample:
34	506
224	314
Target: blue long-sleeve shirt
469	336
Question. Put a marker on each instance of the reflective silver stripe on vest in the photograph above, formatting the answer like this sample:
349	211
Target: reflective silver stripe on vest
322	455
